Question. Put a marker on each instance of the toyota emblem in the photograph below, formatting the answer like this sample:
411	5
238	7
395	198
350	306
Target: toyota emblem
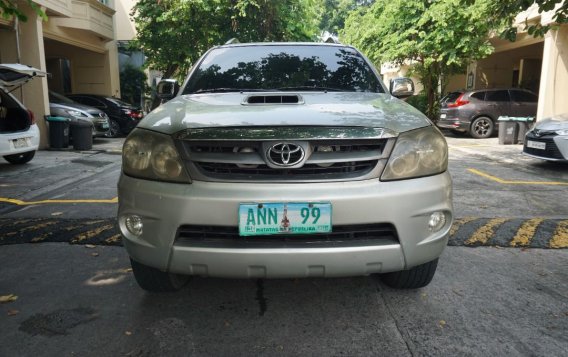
285	154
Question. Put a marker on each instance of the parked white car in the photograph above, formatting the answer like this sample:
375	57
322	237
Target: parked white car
19	134
548	139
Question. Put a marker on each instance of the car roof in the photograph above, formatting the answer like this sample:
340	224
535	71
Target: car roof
262	44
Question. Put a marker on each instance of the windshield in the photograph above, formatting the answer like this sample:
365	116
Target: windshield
58	98
283	67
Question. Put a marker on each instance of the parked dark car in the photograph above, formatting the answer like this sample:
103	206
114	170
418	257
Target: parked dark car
123	116
61	106
476	112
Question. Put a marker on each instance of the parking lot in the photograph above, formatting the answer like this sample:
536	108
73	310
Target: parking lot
501	287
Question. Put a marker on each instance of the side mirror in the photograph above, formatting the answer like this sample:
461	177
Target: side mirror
402	87
167	89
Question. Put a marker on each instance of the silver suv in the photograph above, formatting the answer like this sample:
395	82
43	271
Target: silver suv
281	160
476	112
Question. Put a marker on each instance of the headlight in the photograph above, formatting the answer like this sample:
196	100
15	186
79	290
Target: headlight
417	153
75	113
150	155
562	132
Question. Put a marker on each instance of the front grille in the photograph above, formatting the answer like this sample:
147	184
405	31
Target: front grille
342	236
551	151
264	172
326	160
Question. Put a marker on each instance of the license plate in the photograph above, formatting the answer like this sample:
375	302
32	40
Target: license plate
105	125
442	116
536	145
21	143
284	218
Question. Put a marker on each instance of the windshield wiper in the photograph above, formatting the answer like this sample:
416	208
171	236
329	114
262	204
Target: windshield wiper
314	88
226	90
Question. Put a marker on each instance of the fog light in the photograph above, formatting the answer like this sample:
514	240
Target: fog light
134	224
437	221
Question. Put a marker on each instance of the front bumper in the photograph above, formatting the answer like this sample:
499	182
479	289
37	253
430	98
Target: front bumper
555	147
164	207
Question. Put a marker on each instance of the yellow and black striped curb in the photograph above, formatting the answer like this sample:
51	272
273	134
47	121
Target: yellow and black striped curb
510	232
467	231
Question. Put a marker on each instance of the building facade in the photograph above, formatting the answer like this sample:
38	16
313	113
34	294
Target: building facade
76	46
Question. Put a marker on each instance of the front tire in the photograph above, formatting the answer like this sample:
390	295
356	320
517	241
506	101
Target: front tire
482	128
155	280
22	158
417	277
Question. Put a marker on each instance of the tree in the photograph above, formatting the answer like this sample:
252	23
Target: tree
132	84
437	37
174	33
336	11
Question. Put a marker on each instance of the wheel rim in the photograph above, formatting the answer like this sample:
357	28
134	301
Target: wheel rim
482	127
114	129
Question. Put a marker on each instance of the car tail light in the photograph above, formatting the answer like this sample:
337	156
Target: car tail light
133	114
32	117
458	103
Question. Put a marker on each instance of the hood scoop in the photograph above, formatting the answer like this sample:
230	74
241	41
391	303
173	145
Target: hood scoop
277	98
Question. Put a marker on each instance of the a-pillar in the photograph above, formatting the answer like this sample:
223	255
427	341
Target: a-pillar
554	75
34	93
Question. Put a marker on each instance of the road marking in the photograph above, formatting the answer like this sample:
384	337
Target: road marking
483	234
92	233
526	233
509	182
460	222
560	237
44	202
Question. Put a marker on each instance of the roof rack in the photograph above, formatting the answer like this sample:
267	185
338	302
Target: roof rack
332	39
232	41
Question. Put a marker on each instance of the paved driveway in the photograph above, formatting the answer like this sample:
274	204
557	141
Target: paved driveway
486	299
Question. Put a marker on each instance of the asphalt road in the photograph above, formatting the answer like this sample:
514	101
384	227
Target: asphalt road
74	300
501	287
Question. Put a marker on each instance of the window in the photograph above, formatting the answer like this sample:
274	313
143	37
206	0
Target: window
478	95
522	96
91	102
497	96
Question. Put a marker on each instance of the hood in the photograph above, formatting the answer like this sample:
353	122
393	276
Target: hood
79	107
374	110
15	74
557	122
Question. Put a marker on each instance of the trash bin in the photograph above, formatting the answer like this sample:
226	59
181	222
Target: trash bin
508	131
524	124
82	134
58	132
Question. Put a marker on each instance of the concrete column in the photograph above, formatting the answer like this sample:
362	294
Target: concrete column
113	70
554	75
34	93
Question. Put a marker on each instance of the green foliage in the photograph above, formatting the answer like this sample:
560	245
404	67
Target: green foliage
505	11
174	33
9	9
132	84
419	101
336	11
